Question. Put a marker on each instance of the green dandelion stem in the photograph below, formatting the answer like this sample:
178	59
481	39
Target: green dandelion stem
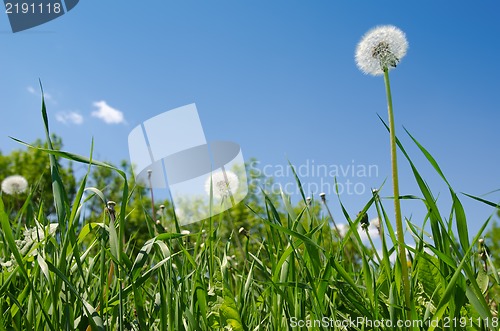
395	184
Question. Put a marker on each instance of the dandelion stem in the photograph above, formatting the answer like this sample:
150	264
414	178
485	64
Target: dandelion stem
395	184
152	197
323	199
375	252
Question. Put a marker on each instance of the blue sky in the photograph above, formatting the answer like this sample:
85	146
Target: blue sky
278	77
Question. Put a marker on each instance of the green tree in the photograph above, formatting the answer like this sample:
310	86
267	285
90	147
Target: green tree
34	165
492	240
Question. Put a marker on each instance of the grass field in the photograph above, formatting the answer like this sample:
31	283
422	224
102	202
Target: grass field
294	272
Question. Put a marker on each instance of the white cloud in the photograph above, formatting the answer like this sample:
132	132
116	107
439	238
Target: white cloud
46	95
69	117
107	113
372	231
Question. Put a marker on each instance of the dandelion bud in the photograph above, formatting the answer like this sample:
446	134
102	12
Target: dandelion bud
483	250
111	205
364	221
244	232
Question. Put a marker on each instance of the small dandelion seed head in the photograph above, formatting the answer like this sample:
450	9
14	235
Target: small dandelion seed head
223	183
381	48
308	200
15	184
162	207
158	222
322	195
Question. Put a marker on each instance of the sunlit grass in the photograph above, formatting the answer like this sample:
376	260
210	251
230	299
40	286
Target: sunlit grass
291	271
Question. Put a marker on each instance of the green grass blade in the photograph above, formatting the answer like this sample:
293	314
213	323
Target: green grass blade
461	221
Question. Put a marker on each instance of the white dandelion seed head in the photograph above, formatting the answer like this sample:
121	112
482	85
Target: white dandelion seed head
15	184
224	183
380	48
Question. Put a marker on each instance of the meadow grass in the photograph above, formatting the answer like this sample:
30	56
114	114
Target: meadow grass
295	272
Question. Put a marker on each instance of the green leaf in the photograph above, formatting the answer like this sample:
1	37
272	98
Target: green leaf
95	319
87	229
489	203
229	313
57	185
141	258
169	235
201	296
139	307
292	233
429	276
483	280
461	221
7	233
113	241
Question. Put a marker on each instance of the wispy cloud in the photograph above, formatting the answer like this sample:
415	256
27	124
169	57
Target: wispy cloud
69	118
33	91
107	113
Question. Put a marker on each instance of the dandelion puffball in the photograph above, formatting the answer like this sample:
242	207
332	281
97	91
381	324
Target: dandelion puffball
381	48
14	185
224	183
